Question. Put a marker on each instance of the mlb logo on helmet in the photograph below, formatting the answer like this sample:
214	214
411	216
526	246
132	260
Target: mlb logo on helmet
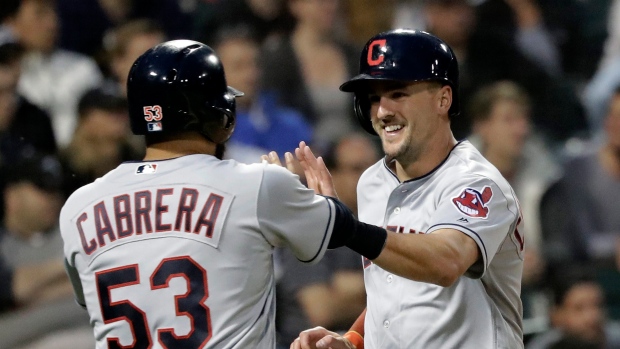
154	126
473	203
146	169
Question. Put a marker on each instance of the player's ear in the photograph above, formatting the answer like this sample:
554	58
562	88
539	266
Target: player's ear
445	98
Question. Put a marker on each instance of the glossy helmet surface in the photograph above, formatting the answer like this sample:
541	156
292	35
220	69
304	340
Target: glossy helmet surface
180	86
402	55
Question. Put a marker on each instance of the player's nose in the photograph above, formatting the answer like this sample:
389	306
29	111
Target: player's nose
383	110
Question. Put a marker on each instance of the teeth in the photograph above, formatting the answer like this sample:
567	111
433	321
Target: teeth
393	128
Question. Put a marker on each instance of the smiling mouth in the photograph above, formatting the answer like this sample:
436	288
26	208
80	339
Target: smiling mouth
393	128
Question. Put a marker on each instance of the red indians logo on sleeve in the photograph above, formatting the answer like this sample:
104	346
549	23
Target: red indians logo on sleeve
381	45
473	203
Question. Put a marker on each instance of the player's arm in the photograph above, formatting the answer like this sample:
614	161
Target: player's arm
439	258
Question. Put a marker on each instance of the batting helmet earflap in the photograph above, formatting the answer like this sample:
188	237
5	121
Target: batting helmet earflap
402	55
179	86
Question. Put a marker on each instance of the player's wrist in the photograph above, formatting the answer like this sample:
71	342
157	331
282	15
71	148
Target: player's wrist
354	338
367	240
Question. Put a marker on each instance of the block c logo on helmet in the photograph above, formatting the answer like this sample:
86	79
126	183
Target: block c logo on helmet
376	61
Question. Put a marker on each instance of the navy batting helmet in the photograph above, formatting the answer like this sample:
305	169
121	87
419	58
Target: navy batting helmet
180	86
402	55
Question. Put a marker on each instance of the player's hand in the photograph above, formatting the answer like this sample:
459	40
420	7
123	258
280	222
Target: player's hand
320	338
273	158
317	174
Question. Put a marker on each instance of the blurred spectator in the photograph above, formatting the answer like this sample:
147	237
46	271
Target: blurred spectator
487	54
409	14
262	123
21	123
347	158
553	34
580	218
365	18
8	8
125	44
502	132
100	140
263	17
53	79
523	21
175	16
35	287
29	235
600	88
307	67
598	94
578	317
330	293
611	48
86	22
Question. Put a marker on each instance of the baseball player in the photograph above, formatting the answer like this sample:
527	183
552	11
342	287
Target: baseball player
449	275
175	251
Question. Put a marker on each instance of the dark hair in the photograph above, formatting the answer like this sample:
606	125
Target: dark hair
8	8
102	98
571	276
44	171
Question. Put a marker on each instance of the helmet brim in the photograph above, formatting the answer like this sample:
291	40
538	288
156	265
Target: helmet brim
361	81
233	92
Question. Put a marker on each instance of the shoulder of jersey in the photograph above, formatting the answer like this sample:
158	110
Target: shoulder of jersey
471	160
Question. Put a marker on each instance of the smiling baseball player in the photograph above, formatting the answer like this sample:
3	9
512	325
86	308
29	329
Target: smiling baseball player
450	273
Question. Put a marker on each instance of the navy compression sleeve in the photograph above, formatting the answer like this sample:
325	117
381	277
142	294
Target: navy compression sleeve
365	239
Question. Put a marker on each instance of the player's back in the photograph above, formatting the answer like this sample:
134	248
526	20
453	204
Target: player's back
173	254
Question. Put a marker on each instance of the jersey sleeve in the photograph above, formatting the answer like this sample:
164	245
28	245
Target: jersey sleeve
480	209
291	215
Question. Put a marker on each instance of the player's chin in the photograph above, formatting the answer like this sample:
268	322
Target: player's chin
391	148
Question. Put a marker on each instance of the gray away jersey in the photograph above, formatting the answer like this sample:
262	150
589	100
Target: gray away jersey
482	309
178	253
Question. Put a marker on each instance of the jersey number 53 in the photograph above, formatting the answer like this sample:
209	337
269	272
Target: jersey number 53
190	304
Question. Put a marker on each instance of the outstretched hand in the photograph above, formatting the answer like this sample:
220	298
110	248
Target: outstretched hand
317	175
320	338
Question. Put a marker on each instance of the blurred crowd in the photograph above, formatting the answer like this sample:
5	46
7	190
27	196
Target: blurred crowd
540	81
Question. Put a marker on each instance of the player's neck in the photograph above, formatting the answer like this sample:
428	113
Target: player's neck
427	160
179	147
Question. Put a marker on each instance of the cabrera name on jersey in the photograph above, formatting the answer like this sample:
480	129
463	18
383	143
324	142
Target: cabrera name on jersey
195	211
